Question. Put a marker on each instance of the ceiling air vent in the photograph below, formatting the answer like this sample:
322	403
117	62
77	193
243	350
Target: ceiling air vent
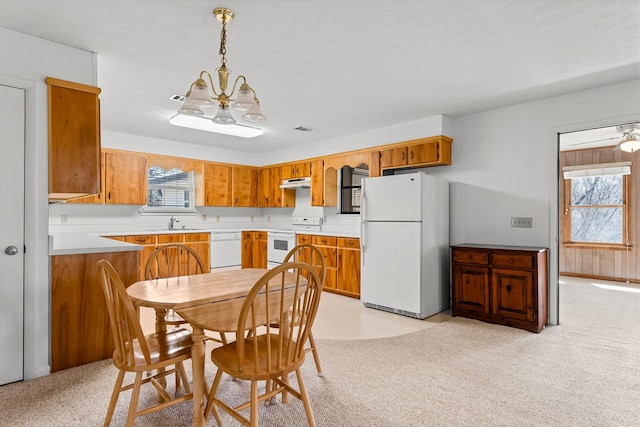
303	129
177	97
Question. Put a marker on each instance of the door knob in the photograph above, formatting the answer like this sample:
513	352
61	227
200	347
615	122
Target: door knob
11	250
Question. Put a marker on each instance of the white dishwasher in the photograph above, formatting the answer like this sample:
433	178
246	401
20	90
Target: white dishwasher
226	249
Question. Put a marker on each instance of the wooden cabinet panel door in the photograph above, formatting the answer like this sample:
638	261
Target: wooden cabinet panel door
125	179
471	288
423	153
217	185
202	249
260	253
275	192
247	249
349	271
393	157
245	187
264	187
74	139
512	294
317	183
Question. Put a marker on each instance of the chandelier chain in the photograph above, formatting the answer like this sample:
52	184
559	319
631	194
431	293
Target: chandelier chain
223	41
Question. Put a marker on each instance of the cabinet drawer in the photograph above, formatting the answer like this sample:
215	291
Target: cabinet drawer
348	243
170	238
304	238
247	235
197	237
512	260
260	235
148	239
325	240
471	257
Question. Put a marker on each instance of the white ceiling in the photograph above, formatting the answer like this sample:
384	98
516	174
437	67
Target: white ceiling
338	67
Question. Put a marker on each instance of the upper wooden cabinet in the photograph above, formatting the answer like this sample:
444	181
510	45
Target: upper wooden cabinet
245	186
317	183
296	170
270	195
74	139
125	179
218	185
421	153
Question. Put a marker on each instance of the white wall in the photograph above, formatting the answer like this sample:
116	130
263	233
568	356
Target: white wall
505	164
26	61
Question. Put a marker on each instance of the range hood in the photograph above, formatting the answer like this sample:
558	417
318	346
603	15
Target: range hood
296	183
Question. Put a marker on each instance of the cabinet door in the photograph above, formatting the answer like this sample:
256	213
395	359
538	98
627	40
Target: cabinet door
245	187
423	153
260	250
471	288
393	157
317	183
512	294
202	249
275	192
74	139
247	249
349	271
264	187
125	179
217	185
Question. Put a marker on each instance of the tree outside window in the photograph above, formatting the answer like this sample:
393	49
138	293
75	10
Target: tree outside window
596	211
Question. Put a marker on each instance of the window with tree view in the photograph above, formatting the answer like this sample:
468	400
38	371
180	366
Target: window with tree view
597	209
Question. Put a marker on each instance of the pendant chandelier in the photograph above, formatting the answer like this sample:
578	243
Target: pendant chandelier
246	101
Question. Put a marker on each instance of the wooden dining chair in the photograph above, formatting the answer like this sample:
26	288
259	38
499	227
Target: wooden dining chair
313	256
138	353
266	354
174	260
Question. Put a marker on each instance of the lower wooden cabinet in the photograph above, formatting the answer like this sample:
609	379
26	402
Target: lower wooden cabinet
80	327
342	256
501	284
254	249
149	242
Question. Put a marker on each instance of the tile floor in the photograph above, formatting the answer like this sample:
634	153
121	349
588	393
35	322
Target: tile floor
345	318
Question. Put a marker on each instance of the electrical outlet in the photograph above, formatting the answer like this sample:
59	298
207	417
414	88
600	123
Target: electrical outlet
268	218
251	218
64	219
217	218
204	217
522	221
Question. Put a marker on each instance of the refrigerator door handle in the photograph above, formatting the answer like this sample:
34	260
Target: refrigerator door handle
362	242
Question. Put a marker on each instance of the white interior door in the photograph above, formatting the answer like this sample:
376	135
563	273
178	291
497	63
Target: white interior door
12	234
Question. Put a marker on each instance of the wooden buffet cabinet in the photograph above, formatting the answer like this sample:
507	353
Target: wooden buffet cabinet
507	285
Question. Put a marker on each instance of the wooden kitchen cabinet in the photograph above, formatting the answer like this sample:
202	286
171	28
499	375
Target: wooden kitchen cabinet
317	183
80	327
254	249
218	185
507	285
245	186
197	241
433	151
349	266
328	245
125	179
296	170
74	139
270	195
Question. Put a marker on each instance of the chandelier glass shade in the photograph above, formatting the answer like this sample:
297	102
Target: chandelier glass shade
246	102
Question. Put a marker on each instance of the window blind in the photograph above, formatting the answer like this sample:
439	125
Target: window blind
602	169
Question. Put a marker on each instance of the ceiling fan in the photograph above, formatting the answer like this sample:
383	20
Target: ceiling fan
628	136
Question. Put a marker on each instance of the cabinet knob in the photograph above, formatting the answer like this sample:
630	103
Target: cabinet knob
411	154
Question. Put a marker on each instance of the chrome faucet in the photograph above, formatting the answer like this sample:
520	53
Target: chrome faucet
172	222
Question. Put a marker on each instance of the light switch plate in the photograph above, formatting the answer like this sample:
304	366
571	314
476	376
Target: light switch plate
522	221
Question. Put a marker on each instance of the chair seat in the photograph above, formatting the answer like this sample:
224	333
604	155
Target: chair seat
175	343
226	358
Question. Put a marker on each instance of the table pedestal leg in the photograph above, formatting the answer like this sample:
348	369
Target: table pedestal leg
197	363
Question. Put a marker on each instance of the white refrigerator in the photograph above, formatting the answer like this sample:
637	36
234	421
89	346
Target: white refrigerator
404	237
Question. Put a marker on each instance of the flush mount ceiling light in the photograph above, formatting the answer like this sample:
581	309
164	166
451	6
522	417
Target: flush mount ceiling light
631	138
198	96
206	124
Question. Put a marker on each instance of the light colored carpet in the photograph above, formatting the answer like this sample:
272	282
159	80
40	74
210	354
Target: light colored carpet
585	372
